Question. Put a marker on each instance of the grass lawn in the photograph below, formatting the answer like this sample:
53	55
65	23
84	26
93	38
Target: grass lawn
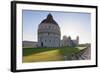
47	54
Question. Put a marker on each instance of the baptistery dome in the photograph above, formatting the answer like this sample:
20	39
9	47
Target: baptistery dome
49	33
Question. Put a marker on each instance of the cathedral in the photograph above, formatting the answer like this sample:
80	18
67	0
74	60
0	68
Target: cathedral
49	34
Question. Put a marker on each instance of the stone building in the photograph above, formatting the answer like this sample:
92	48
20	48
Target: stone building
67	41
29	44
49	33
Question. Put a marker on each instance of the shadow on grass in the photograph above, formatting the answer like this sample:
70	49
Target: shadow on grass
30	51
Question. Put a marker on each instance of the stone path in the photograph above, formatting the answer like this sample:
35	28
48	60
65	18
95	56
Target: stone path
84	54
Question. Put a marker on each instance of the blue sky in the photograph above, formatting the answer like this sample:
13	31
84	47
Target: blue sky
71	24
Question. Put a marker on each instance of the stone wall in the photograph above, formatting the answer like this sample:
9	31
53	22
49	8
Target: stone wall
29	44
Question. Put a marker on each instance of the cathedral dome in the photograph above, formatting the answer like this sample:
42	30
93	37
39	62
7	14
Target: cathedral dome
49	25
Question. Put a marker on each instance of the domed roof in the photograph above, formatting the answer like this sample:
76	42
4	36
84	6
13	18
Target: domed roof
49	25
49	19
64	37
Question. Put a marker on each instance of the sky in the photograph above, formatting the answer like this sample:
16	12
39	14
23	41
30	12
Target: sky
71	24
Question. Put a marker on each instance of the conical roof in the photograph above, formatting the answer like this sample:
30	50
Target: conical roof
49	19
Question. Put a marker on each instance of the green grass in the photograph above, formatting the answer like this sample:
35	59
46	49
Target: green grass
47	54
29	51
53	55
67	51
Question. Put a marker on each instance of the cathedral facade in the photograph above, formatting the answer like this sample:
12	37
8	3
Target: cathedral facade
67	41
49	34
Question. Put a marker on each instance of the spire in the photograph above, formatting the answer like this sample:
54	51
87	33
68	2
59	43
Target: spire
77	37
49	19
49	16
